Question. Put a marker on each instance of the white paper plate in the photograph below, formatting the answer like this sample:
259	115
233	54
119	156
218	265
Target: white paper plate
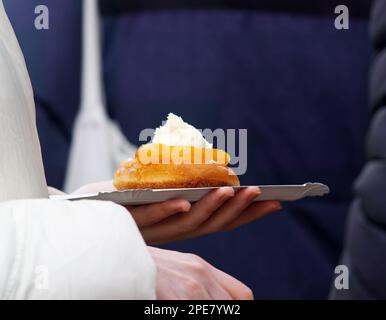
147	196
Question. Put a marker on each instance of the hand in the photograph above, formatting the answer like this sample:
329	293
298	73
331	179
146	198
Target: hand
177	219
220	210
182	276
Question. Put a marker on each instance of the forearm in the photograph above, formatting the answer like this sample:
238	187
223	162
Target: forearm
72	250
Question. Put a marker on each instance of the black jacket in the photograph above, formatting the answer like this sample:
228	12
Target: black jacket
365	247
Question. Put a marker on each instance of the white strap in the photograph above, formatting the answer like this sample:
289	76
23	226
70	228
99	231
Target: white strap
92	84
98	144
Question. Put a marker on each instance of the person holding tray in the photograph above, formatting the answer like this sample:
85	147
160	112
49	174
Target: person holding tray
54	249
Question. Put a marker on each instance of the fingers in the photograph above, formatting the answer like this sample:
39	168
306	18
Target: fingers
151	214
205	283
202	210
254	212
219	210
230	210
186	223
216	290
235	288
185	276
198	283
203	273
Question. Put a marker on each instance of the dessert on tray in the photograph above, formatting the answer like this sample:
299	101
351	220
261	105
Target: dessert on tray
178	157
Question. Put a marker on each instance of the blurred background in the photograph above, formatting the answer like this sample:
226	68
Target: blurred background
278	68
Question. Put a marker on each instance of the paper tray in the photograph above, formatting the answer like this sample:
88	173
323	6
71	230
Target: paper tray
147	196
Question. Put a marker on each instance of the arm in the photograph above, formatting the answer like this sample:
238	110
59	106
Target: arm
93	250
72	250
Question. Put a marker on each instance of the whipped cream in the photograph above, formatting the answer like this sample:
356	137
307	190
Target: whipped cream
176	132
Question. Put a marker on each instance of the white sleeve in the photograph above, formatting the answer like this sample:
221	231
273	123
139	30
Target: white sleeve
52	249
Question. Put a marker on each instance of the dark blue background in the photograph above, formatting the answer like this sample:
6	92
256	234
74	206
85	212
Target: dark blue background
295	82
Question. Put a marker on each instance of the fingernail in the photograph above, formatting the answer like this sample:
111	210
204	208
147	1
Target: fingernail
185	207
277	206
228	192
253	193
